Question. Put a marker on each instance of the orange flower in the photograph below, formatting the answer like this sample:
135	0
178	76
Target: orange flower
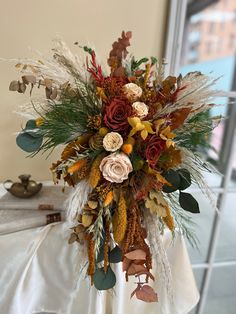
39	121
127	149
108	199
77	166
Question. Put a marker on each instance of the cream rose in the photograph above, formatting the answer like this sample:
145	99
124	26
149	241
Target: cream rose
116	167
132	91
112	141
140	109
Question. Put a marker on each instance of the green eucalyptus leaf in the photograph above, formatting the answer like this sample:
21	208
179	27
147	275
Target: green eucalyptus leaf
29	143
33	133
185	179
30	124
173	178
188	203
153	60
115	255
104	280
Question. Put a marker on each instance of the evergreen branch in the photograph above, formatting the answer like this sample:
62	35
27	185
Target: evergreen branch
66	119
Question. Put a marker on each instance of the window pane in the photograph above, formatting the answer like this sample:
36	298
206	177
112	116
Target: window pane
226	248
203	228
222	294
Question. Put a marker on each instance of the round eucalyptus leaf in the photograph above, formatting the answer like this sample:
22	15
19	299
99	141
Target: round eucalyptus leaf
104	280
33	132
30	124
173	178
185	179
115	255
28	143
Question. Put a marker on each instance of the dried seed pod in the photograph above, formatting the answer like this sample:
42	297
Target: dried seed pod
93	204
95	142
87	220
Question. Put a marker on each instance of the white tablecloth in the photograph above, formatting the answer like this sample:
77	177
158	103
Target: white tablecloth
39	275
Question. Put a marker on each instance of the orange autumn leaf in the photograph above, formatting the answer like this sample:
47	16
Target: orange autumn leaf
171	158
146	294
136	269
179	117
136	254
126	263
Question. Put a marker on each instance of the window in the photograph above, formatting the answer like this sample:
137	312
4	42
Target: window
215	263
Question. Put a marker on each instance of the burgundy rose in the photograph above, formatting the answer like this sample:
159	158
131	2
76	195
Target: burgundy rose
154	148
116	115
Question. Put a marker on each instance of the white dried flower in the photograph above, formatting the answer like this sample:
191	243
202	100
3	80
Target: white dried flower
112	141
116	167
132	91
140	109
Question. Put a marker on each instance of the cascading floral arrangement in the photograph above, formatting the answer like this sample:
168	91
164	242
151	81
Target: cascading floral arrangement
130	138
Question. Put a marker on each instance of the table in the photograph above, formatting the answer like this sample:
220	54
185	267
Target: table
40	274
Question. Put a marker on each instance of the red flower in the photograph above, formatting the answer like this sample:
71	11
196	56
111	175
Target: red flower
116	115
154	149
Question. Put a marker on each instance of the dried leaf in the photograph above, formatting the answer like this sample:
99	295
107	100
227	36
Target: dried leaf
78	229
14	86
147	294
73	238
18	65
27	79
126	263
48	92
48	82
136	269
22	88
136	254
53	93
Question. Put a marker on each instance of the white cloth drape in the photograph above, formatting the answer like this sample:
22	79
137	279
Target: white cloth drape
39	275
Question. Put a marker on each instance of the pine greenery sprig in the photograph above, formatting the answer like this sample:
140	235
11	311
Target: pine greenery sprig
67	118
195	133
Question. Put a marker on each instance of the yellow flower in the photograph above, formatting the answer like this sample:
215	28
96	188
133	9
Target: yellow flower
101	93
39	121
145	127
158	123
167	135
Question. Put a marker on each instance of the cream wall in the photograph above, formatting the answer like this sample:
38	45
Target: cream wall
35	23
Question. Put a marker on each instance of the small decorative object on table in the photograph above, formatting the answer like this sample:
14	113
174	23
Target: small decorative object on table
130	138
24	189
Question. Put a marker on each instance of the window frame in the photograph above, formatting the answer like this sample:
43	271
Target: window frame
177	25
